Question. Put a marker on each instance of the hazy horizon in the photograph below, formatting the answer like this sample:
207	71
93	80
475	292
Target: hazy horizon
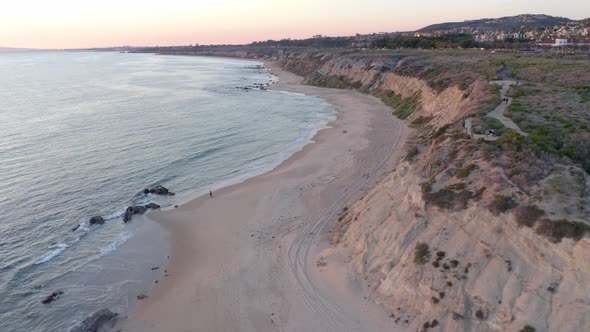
69	24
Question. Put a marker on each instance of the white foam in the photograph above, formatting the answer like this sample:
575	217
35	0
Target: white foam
58	245
122	238
115	215
59	248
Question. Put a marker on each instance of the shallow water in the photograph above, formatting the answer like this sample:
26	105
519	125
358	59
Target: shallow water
82	134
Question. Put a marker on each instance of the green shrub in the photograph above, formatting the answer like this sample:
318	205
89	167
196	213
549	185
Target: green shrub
448	199
464	172
441	131
403	108
480	314
527	215
556	230
517	91
528	328
457	186
422	253
501	204
422	120
427	187
357	85
412	152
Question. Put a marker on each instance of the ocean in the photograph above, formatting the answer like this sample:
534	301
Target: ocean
82	134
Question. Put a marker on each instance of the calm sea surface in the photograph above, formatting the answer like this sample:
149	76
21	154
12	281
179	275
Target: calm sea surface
82	134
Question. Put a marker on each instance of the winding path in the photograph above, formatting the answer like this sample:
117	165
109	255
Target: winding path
498	112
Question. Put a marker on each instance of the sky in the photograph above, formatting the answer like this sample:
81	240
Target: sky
57	24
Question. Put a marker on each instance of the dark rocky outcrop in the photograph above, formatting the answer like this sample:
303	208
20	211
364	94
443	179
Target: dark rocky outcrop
133	210
138	209
152	206
103	317
52	297
96	220
159	190
75	228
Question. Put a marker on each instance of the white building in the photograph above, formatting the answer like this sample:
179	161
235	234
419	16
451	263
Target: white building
560	42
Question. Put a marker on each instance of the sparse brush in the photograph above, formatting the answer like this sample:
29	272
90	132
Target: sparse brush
527	215
556	230
464	172
422	253
501	204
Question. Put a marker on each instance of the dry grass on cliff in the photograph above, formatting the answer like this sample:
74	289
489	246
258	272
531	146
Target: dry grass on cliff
402	107
556	230
527	215
445	68
552	104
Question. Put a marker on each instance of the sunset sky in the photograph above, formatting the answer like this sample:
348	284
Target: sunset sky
78	24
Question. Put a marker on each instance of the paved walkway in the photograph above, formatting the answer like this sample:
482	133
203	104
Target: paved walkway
497	113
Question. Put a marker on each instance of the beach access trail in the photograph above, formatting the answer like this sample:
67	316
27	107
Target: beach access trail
257	257
498	113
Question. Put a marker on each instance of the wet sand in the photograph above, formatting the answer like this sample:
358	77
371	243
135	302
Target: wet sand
245	259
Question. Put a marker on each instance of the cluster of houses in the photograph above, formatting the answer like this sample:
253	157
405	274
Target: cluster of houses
561	42
572	33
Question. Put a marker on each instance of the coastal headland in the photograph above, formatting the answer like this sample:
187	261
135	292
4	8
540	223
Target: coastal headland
462	234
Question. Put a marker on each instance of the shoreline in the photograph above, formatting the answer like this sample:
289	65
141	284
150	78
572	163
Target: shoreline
241	260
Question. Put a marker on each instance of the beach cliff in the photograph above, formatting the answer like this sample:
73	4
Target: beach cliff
448	239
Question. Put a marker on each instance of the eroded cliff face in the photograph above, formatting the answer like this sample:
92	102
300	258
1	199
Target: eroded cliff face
374	75
491	274
480	269
438	241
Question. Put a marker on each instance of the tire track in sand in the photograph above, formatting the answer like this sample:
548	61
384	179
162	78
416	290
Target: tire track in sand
299	258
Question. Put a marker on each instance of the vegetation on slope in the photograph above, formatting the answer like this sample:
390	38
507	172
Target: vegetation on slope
553	106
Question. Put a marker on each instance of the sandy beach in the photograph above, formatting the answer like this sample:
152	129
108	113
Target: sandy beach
257	257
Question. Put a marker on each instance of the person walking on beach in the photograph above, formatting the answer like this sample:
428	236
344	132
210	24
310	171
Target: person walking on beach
210	193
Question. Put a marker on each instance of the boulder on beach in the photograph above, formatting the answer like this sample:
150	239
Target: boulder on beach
97	220
132	210
52	297
100	319
159	190
152	206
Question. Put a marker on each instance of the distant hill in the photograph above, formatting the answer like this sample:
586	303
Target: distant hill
13	49
502	23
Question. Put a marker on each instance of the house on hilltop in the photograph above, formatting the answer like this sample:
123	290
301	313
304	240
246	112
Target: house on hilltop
554	43
561	42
